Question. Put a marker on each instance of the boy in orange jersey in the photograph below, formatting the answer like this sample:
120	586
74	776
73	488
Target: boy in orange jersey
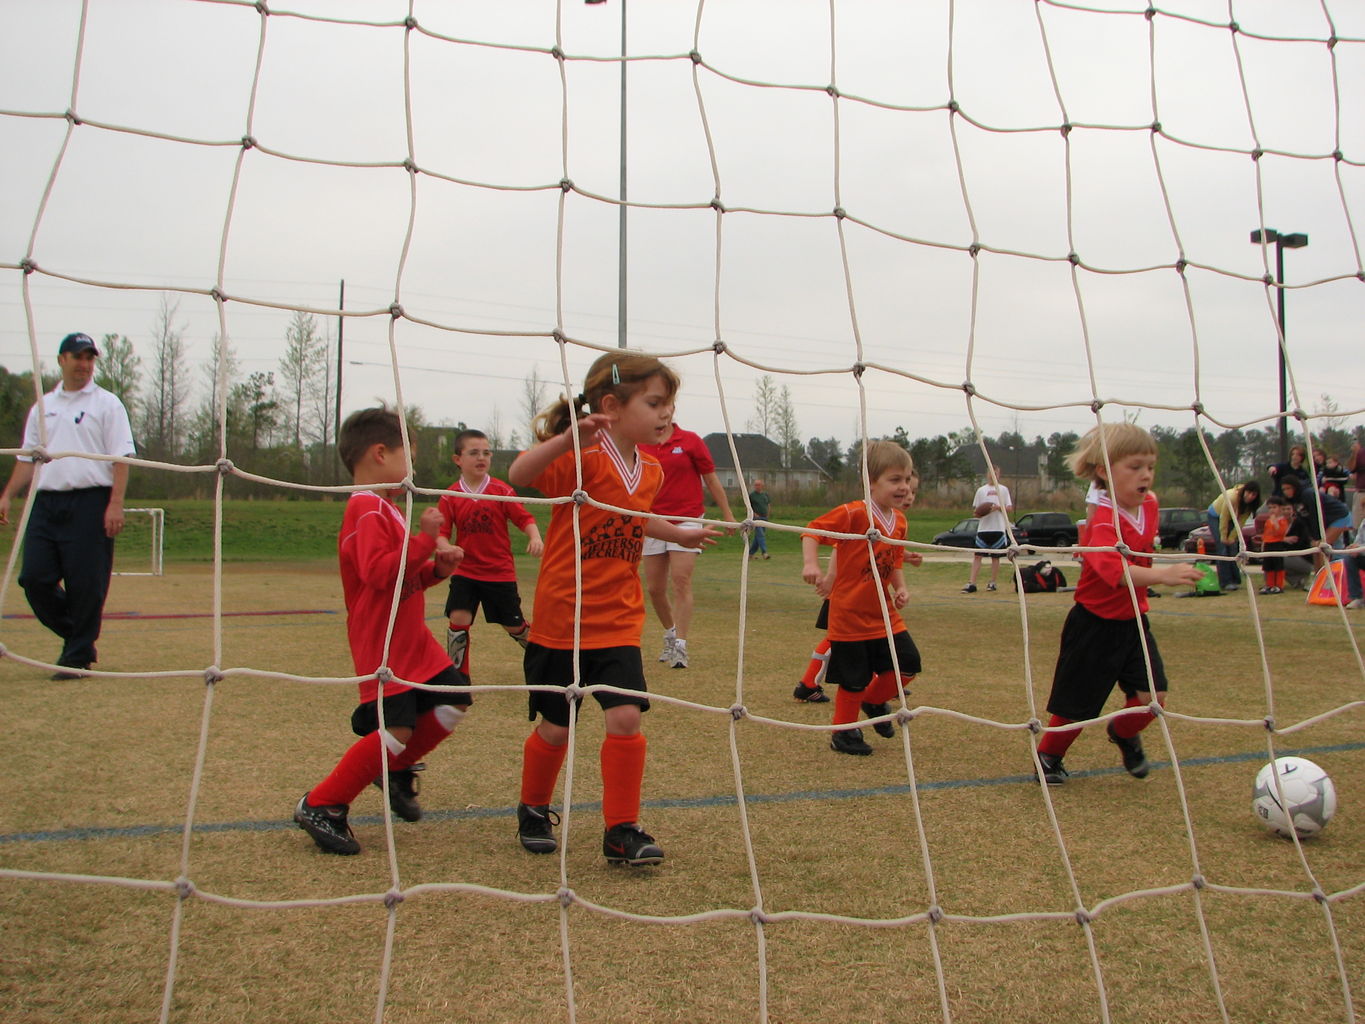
860	656
487	575
375	552
809	690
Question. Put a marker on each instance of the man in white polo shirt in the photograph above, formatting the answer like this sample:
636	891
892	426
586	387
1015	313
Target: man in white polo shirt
77	503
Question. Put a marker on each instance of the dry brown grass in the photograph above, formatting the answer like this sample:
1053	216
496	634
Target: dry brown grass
831	834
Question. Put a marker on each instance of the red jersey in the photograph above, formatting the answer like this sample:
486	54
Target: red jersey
685	460
855	612
1102	588
1276	529
370	549
480	528
609	549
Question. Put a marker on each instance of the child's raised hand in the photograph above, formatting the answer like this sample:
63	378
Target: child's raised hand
430	521
590	426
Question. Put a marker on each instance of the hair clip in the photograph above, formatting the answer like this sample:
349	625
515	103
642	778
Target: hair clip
615	374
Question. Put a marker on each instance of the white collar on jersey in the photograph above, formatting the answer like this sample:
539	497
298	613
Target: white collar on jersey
630	475
483	485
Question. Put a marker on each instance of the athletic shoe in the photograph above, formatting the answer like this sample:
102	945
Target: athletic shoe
630	844
1266	590
850	741
766	556
666	655
403	789
970	588
679	659
65	673
887	729
327	825
535	828
991	585
1054	772
1134	760
810	694
1357	603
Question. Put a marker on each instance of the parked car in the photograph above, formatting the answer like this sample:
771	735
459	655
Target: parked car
1045	529
962	535
1173	525
1250	534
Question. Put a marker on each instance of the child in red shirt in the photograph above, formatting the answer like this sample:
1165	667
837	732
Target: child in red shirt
487	575
1276	536
860	655
589	606
1106	632
376	553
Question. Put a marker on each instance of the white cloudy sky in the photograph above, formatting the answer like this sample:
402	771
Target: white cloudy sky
489	109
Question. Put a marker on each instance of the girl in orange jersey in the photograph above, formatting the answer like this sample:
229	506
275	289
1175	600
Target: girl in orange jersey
628	401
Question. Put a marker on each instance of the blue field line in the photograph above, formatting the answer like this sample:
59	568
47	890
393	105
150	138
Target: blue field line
809	795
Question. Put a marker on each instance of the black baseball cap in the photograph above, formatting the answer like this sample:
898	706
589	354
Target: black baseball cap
77	343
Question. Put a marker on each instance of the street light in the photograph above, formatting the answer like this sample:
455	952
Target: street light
1265	236
621	230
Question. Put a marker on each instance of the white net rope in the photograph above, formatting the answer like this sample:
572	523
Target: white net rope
852	366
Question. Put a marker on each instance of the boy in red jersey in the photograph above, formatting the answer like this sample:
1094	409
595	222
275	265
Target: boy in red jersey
375	553
630	396
860	655
1106	632
487	575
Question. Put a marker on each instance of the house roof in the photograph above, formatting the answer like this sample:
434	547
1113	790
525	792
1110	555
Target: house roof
1008	461
756	452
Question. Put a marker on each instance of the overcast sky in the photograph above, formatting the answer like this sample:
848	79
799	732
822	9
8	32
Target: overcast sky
491	113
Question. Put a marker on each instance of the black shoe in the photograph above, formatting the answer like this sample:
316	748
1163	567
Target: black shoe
65	673
403	789
535	828
1134	760
849	741
630	844
1054	772
327	825
887	729
810	694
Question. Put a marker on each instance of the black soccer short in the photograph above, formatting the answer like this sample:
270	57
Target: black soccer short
1095	654
614	666
991	543
403	709
822	619
500	599
853	663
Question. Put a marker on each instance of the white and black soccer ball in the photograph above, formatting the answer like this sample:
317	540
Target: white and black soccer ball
1309	798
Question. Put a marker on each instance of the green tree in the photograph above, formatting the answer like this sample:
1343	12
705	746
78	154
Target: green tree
118	371
827	454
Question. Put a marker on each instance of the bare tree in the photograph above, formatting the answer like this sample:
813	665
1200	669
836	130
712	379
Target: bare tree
764	419
164	406
118	370
532	398
218	376
301	373
788	430
496	441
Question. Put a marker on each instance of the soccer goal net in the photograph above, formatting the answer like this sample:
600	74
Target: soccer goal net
964	225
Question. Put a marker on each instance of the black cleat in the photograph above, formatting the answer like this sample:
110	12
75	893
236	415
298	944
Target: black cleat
1134	760
810	694
535	828
630	844
1054	772
850	741
328	826
886	729
403	789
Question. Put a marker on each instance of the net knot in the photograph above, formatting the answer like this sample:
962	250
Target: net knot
565	896
1331	42
565	184
968	388
396	310
72	117
1073	258
248	142
874	535
717	205
580	497
1244	559
1123	549
1156	127
212	675
833	90
1233	27
556	53
261	7
1097	405
1319	895
738	712
953	107
573	693
392	898
1065	129
1338	156
410	165
384	676
757	916
27	265
224	466
974	250
184	888
694	57
1199	882
1257	153
858	370
1300	415
1269	721
217	295
1197	408
558	336
718	346
39	455
1149	13
839	213
904	716
1013	552
1083	917
935	914
1034	726
409	23
1180	265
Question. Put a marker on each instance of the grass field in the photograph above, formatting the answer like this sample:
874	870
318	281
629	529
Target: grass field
98	777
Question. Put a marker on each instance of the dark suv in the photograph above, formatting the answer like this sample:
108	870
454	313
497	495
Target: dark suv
1045	529
1173	525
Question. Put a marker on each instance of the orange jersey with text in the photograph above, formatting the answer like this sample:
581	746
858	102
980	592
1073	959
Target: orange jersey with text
855	612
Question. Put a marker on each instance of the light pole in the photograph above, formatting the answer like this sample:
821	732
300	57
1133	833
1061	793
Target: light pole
621	229
1265	236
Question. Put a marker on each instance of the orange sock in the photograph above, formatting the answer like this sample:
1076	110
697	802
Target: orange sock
623	776
1057	743
540	764
818	660
846	705
1130	725
882	690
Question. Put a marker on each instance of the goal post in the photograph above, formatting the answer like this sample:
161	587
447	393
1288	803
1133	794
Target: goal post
153	535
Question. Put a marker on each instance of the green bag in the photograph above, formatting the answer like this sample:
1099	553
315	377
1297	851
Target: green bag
1209	583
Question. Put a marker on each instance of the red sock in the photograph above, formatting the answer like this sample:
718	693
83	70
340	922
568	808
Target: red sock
883	689
846	707
1057	743
358	767
1131	724
623	775
426	735
818	660
540	764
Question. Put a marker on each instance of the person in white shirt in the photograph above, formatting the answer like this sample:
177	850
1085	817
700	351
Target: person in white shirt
77	503
993	506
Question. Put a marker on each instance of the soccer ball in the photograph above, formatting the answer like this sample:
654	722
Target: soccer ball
1310	799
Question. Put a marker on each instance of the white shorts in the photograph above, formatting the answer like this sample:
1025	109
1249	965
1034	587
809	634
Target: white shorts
655	546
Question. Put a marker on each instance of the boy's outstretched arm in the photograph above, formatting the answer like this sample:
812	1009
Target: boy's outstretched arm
810	560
